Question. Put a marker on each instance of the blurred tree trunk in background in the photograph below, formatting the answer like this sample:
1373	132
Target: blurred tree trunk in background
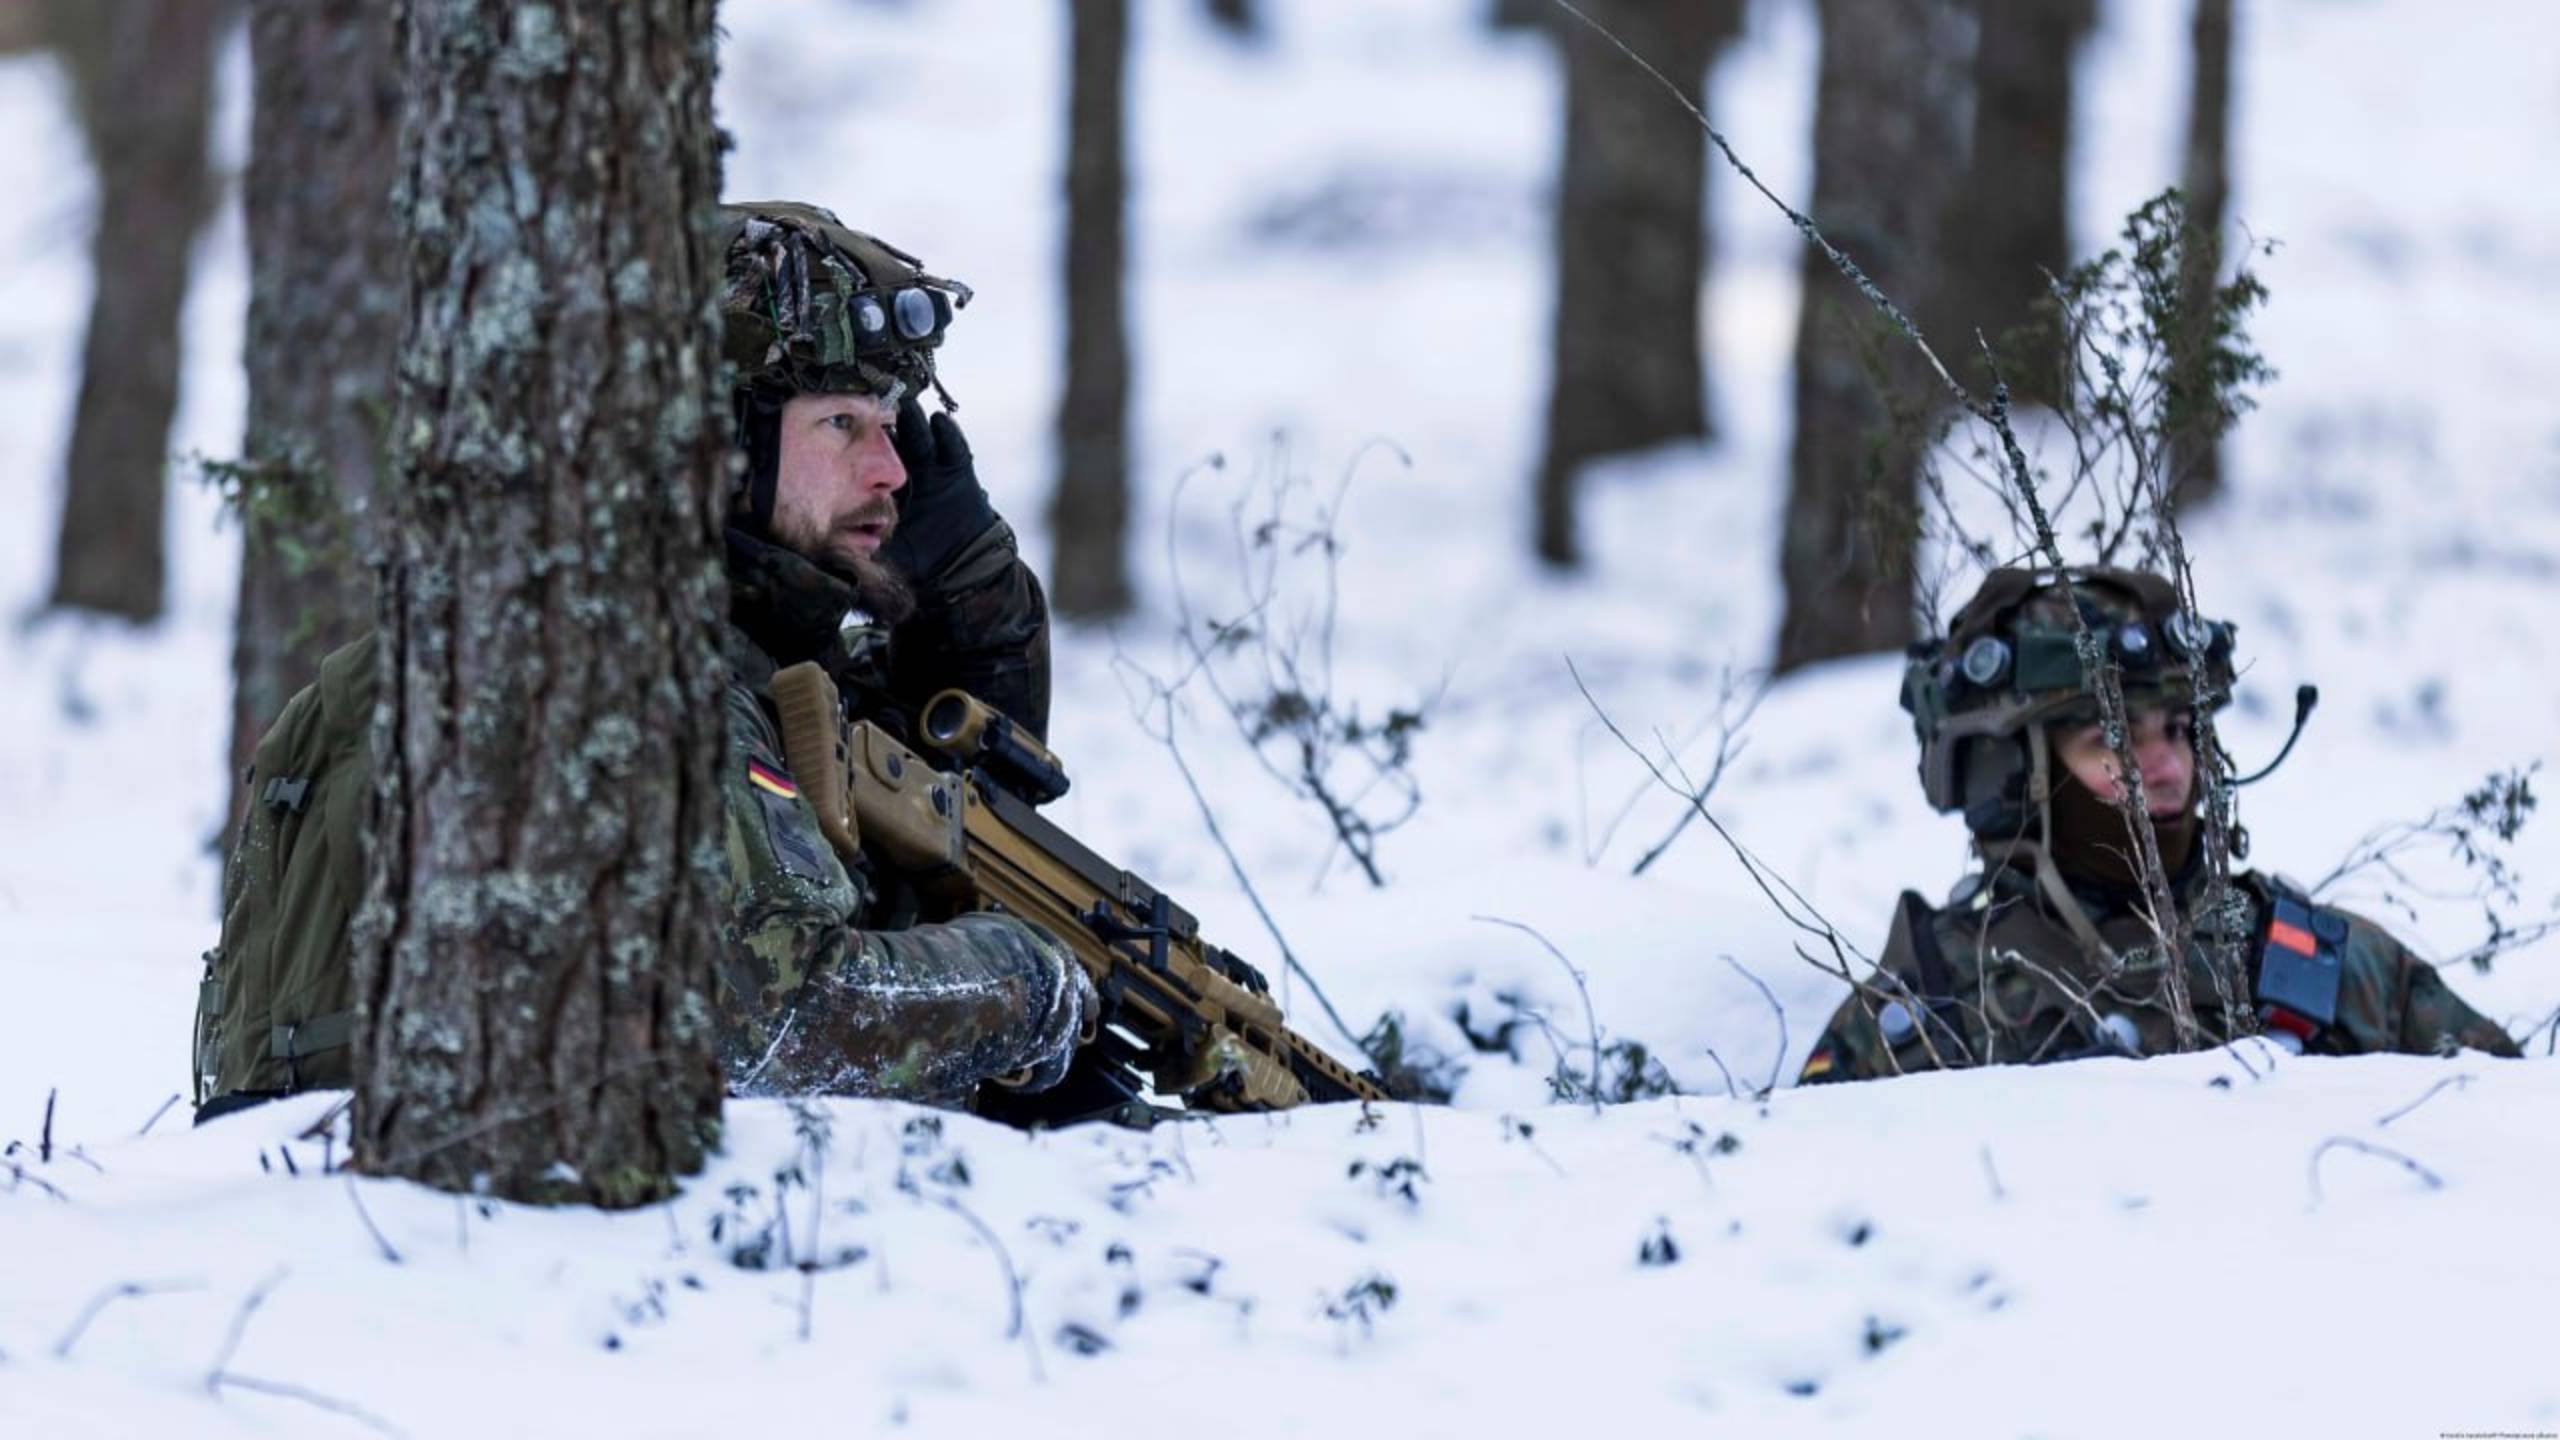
533	961
1520	14
1887	149
1630	245
324	318
1089	513
21	28
2195	462
143	73
1240	18
2009	227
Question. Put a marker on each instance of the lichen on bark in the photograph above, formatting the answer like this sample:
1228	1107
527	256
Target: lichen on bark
535	954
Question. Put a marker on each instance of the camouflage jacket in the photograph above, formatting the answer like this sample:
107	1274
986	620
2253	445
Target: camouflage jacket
821	989
1997	979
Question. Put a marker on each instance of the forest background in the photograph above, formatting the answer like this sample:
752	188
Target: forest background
1342	240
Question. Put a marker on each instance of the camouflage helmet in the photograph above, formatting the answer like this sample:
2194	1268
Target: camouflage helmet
809	304
2009	666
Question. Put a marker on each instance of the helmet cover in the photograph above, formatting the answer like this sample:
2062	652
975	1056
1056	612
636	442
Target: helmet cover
811	305
2011	661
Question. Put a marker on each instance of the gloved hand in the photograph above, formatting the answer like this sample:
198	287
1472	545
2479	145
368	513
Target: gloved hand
1069	1023
942	506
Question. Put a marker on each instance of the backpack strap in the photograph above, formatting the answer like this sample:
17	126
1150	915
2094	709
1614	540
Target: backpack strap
1919	922
1915	925
299	1040
208	1037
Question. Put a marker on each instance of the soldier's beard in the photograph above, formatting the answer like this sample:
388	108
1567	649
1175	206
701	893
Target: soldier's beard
2090	840
881	587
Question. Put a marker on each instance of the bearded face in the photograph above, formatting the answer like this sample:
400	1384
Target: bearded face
836	478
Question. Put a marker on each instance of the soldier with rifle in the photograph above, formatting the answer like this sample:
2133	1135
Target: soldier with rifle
899	922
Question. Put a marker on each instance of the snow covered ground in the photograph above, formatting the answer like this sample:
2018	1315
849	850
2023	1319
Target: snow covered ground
1341	240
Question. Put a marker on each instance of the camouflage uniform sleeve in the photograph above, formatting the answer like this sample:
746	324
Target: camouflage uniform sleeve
1876	1031
811	1003
2390	1000
1849	1048
981	625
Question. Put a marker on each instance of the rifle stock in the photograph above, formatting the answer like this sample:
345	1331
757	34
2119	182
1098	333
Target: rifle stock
1180	1016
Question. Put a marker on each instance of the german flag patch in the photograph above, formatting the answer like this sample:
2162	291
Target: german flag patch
771	781
1817	1065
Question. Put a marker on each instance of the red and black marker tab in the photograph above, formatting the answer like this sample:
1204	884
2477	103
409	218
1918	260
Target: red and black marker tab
2300	965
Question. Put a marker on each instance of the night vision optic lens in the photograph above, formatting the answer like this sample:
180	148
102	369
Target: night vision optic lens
868	314
2133	642
1986	661
916	316
2186	634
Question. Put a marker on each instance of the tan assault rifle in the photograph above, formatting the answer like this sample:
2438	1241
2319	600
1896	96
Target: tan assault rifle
1180	1017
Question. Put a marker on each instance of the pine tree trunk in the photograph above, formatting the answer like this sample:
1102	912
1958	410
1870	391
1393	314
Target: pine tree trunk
324	318
534	957
1239	18
1089	514
1887	149
21	28
147	104
1630	247
2195	462
2010	225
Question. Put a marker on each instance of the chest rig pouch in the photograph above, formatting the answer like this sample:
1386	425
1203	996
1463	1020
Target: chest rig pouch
2301	959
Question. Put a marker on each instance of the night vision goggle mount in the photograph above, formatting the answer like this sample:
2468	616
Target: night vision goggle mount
1979	698
887	320
2041	660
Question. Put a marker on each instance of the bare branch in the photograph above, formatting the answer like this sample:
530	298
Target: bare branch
155	1116
1777	1062
1731	1090
1730	743
357	1200
285	1391
257	1296
1235	863
2450	1082
1794	908
1014	1328
129	1290
2431	1179
21	1175
1590	1017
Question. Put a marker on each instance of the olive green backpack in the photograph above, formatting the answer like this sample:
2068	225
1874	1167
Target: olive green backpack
275	1012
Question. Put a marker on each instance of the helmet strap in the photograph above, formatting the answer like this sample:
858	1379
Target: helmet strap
2066	906
2031	856
2040	777
759	439
2039	859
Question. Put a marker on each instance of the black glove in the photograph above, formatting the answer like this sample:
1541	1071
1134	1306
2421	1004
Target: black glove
942	507
1065	1028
